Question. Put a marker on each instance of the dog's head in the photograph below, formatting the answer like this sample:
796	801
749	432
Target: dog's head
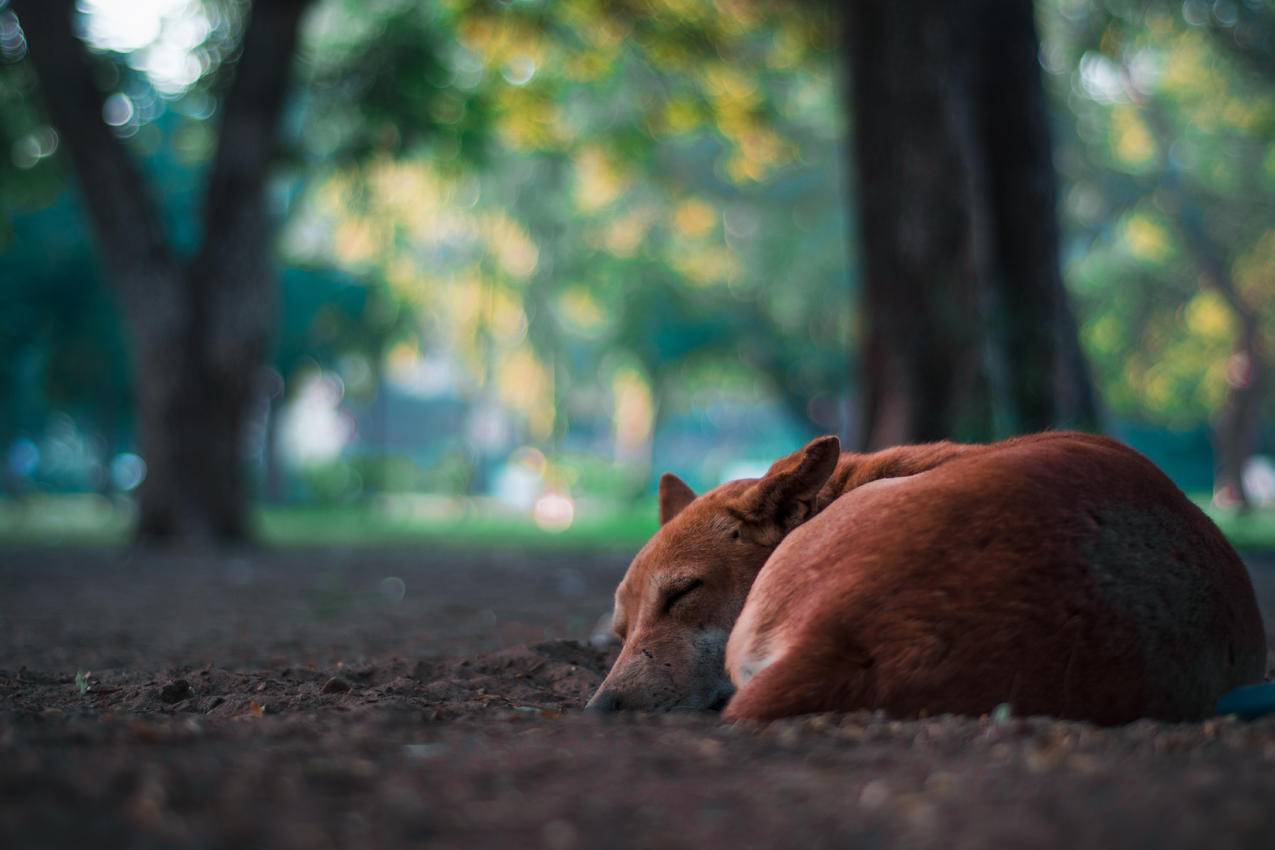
683	592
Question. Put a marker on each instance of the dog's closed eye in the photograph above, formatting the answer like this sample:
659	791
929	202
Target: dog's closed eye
680	592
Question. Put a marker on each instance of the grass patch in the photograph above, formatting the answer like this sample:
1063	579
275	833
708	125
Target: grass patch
1252	531
79	520
93	521
367	526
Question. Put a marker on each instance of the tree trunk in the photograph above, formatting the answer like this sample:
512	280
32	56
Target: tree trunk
199	330
1237	426
923	372
968	331
191	425
1239	422
1047	377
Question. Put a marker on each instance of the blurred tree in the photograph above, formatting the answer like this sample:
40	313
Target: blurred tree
652	199
968	329
1173	182
199	326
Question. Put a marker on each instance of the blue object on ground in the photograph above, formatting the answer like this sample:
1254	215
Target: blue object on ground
1249	702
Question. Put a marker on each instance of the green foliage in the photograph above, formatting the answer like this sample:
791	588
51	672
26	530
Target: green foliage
604	214
1252	531
653	195
1170	112
91	520
61	345
379	79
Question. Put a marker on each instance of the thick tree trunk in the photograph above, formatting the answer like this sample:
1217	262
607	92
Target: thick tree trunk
199	330
968	331
1046	374
924	376
1237	427
191	421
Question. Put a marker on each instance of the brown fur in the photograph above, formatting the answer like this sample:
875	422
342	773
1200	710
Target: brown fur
1061	573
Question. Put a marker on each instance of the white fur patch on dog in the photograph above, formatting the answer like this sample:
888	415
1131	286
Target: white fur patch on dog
750	665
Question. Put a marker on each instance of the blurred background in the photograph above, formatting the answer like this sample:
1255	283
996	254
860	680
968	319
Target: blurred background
339	271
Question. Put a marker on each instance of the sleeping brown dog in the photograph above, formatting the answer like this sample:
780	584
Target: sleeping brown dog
1061	573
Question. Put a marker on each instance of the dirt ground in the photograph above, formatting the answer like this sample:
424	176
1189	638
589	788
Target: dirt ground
393	699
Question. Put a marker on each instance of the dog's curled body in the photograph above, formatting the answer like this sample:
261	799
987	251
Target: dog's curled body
1062	574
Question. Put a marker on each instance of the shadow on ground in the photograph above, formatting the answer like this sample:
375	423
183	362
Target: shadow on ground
311	700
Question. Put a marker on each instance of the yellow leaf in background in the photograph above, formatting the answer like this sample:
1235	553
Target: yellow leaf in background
526	385
625	234
581	312
515	252
1193	68
634	416
506	318
529	120
737	17
694	217
355	241
708	265
1207	315
400	187
333	193
1246	114
788	47
498	38
407	280
401	361
1131	140
731	87
680	11
681	115
741	169
598	181
588	66
462	302
1147	239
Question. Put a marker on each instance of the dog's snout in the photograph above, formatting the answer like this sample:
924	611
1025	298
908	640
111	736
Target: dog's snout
605	701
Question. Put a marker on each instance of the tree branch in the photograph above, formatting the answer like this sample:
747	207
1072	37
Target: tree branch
127	224
234	207
233	270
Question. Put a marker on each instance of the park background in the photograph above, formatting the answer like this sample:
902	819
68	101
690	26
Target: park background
477	272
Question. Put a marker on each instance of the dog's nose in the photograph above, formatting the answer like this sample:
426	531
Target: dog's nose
605	701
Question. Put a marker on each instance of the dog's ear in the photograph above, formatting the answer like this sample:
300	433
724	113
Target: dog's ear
675	495
784	497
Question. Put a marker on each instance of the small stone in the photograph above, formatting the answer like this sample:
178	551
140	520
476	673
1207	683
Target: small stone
336	685
559	835
175	691
874	795
425	751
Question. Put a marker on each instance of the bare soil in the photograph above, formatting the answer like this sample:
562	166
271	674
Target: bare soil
392	699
